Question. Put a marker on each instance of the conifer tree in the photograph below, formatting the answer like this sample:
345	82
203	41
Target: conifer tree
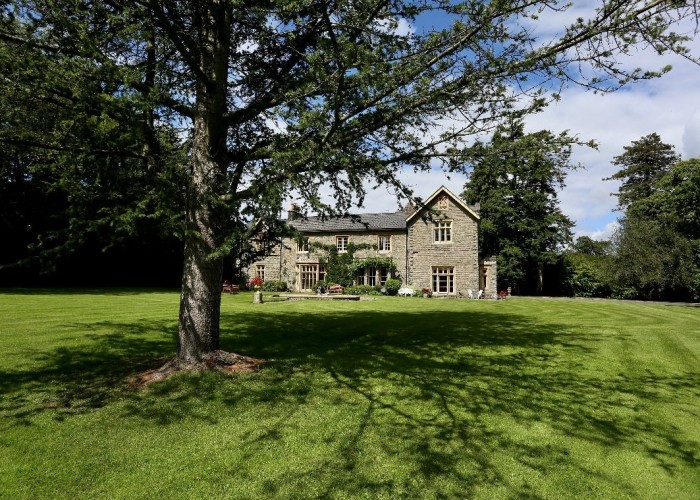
272	96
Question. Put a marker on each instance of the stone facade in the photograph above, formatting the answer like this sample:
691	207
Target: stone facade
435	247
457	256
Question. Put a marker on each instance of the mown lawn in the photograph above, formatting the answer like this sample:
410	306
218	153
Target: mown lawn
391	398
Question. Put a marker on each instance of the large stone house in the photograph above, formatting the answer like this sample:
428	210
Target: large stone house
435	247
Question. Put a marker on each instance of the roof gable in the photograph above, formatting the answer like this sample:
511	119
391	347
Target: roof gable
432	199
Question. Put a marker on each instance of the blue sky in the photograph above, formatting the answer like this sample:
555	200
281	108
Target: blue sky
669	106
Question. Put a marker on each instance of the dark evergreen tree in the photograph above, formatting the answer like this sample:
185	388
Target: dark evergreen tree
657	248
586	245
516	178
652	261
642	164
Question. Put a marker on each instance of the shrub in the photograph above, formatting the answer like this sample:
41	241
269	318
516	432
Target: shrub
623	293
362	290
275	286
392	286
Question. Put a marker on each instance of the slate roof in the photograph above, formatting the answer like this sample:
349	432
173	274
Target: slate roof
353	223
393	221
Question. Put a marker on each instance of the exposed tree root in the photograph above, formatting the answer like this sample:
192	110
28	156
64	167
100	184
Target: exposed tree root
223	361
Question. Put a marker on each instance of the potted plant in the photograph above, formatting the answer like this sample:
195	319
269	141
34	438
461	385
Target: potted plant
427	292
255	284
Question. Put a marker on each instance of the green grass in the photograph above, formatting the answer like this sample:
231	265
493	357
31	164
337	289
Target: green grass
390	398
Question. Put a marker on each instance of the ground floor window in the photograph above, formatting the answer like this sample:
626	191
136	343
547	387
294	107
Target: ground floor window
260	271
444	280
310	274
383	275
373	276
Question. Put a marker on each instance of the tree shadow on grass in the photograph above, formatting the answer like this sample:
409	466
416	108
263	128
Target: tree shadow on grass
451	393
444	387
70	380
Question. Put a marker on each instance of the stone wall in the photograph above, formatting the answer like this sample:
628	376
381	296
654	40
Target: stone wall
282	263
489	271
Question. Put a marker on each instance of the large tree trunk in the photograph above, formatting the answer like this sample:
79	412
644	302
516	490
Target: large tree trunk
200	300
206	218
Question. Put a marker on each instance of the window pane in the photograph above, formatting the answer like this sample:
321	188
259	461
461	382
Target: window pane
443	231
372	276
443	279
384	243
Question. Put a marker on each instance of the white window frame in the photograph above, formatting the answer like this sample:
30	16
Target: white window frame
442	232
344	247
260	271
372	275
384	244
446	275
310	274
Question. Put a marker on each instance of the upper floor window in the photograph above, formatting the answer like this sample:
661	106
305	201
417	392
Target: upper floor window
341	243
303	245
385	243
443	231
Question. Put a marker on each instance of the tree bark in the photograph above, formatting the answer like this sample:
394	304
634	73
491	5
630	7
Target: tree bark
200	301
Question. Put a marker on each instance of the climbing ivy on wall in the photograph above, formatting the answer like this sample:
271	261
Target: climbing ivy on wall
342	267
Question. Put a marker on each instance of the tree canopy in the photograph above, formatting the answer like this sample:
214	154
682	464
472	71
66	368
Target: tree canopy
657	246
218	109
588	246
516	178
643	164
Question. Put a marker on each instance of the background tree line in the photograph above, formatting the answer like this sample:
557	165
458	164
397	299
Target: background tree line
654	254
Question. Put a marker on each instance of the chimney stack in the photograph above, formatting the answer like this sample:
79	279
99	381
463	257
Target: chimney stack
293	212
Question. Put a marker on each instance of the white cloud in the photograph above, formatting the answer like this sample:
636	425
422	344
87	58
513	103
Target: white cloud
614	121
398	27
691	136
605	233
